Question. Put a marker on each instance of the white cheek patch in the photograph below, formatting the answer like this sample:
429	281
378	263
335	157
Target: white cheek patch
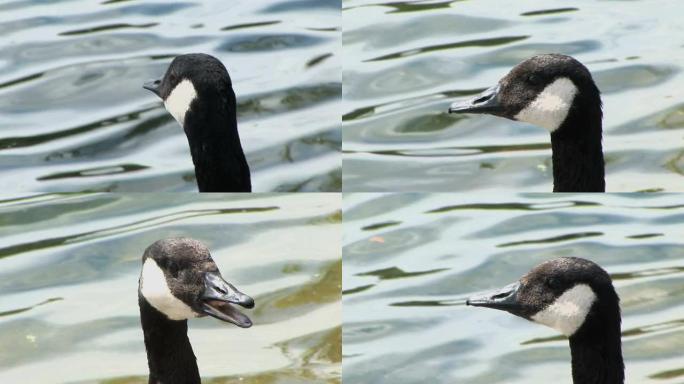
178	101
156	291
550	108
568	312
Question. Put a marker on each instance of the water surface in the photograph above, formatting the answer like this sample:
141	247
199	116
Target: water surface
406	61
74	116
411	260
69	267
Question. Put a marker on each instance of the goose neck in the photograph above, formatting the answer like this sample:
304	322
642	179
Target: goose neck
597	355
169	354
577	155
220	163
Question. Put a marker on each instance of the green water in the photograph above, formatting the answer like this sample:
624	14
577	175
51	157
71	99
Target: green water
74	116
406	61
411	260
69	268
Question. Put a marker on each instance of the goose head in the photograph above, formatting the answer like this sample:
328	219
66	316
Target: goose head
545	90
180	279
192	77
567	294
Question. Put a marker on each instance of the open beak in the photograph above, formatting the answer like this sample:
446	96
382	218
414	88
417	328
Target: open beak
505	299
485	102
153	85
218	297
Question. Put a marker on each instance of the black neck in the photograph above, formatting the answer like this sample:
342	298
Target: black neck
169	353
220	164
597	354
578	164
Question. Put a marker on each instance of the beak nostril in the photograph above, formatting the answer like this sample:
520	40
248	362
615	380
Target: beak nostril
482	99
500	295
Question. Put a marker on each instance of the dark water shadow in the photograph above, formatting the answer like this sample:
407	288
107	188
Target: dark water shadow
441	47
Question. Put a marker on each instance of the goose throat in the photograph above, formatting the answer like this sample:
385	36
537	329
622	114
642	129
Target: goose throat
180	99
568	312
155	289
550	108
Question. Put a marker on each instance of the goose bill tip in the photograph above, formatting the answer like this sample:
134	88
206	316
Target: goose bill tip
152	86
485	102
226	312
477	301
461	107
502	299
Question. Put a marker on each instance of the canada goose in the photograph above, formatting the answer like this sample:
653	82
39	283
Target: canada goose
198	93
555	92
576	297
179	280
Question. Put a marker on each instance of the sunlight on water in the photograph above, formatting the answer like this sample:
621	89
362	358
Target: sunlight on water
69	268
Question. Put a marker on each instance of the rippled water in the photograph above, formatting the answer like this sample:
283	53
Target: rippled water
405	61
411	260
74	116
69	268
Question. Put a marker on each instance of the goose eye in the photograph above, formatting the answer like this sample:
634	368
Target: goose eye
552	282
173	269
533	79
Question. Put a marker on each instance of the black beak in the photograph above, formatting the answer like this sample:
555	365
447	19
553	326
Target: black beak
153	85
485	102
218	296
505	299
